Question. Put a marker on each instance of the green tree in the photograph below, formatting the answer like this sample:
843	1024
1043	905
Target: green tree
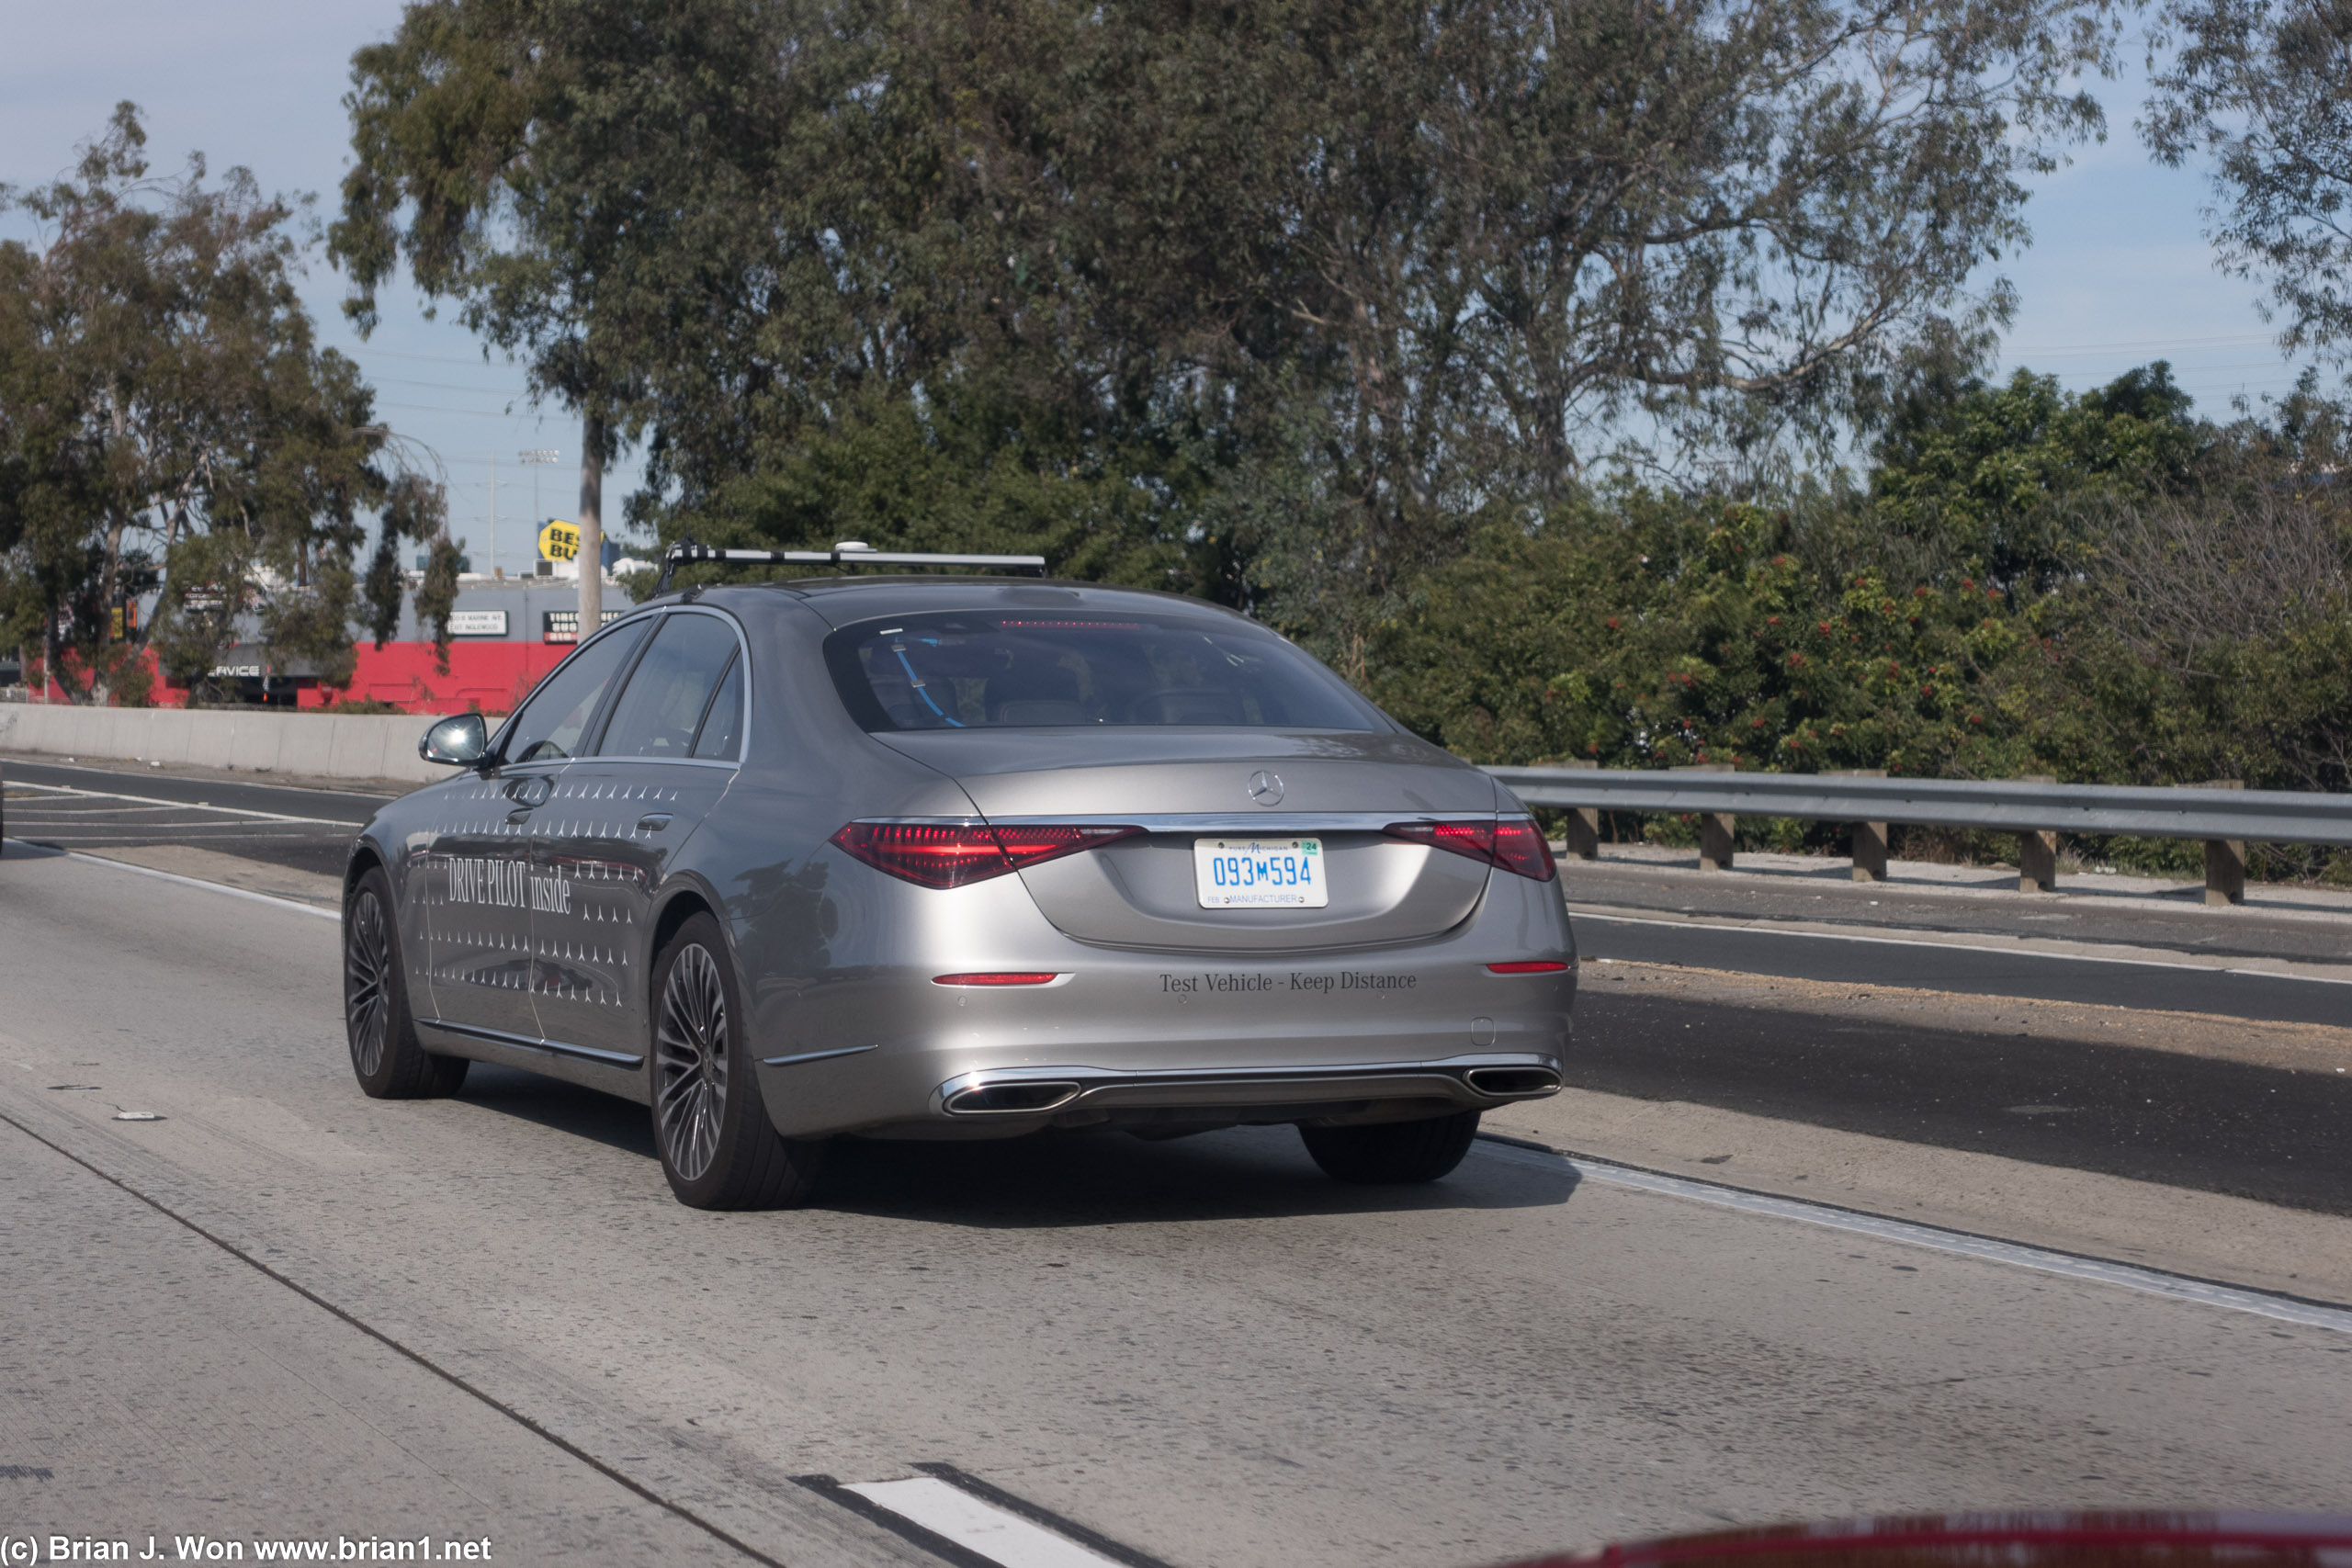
162	405
577	174
1324	281
2259	88
1653	633
1991	479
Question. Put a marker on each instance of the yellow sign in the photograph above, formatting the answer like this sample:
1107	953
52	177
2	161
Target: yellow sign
558	541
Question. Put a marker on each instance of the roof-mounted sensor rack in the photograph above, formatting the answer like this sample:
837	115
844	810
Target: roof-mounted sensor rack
848	552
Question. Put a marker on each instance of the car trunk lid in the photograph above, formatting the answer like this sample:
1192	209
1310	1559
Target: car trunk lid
1183	787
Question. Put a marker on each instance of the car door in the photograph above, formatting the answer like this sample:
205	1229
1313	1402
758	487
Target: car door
662	761
482	873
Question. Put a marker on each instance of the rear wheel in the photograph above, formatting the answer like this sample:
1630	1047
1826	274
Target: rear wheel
717	1146
1388	1153
385	1055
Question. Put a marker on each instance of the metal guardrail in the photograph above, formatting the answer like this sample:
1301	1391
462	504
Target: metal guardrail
2225	816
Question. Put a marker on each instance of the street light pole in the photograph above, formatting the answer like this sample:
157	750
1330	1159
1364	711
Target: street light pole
536	458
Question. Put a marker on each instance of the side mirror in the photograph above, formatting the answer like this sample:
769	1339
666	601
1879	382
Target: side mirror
461	740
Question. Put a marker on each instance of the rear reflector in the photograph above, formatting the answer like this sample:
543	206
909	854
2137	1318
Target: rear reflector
1023	977
1515	843
951	855
1528	967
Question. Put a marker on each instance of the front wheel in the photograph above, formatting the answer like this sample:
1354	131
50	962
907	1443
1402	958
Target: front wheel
1392	1153
385	1053
717	1147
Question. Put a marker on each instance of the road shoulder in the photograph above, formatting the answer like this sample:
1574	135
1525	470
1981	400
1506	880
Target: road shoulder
2306	1047
2204	1235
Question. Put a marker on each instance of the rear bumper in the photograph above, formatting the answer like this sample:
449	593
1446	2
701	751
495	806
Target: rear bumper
1108	1047
1144	1039
1049	1096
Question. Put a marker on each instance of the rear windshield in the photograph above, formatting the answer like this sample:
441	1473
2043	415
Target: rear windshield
989	671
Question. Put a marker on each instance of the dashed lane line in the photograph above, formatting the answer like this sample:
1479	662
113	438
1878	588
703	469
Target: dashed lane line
2096	1270
1003	1537
961	1519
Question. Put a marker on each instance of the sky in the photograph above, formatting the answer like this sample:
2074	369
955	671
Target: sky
2119	273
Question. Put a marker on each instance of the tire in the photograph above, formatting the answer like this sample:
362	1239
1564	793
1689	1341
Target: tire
385	1053
1392	1153
717	1146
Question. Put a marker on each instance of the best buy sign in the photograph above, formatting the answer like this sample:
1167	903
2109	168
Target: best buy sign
559	541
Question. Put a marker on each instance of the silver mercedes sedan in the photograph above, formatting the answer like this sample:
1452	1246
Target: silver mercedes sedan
960	857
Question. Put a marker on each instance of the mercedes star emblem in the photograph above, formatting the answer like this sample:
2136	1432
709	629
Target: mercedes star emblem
1266	788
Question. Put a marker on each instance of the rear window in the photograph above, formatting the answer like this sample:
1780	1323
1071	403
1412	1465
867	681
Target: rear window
1005	671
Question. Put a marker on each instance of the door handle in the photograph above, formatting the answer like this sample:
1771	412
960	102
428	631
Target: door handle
520	815
653	822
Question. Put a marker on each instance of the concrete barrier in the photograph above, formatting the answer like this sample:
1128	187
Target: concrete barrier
314	745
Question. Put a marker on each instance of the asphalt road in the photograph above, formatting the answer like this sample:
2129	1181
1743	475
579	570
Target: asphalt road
2080	910
289	1309
85	808
1917	959
2266	1133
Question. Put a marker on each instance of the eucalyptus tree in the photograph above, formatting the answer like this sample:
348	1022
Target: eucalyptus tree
1412	261
2263	88
164	404
1273	300
561	170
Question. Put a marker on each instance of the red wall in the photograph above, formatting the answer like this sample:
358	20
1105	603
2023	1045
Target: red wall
492	676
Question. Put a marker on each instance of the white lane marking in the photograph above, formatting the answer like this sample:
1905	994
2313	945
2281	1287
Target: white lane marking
2151	1281
335	915
983	1528
79	793
1993	946
237	832
255	784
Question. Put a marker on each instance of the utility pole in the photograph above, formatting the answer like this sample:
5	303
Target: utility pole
493	514
592	523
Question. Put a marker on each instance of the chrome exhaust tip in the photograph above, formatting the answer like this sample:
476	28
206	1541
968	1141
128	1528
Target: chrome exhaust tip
1009	1098
1508	1082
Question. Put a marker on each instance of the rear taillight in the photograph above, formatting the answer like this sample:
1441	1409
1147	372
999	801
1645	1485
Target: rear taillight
1519	846
950	854
1515	843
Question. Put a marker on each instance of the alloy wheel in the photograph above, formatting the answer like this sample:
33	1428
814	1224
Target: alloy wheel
690	1062
367	977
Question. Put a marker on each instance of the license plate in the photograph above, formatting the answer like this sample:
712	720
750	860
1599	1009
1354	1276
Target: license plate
1260	874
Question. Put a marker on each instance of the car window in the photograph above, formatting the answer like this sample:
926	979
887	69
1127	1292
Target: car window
552	721
723	725
662	706
971	671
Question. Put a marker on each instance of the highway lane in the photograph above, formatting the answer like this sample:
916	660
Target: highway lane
1199	1349
2184	983
241	792
100	808
2278	921
2252	1131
